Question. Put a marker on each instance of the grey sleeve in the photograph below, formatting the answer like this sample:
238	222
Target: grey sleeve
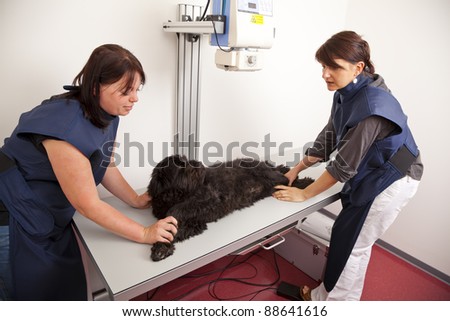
324	144
355	144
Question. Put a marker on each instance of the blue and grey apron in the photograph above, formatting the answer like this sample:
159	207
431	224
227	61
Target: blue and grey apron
386	161
45	258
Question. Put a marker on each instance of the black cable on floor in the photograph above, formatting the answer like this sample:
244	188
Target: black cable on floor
213	284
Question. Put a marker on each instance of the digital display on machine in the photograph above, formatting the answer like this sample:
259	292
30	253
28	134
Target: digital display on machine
262	7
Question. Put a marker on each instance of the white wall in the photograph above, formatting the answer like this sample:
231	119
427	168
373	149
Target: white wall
45	43
287	98
411	49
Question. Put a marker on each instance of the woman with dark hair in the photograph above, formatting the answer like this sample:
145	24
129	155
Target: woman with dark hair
49	168
374	155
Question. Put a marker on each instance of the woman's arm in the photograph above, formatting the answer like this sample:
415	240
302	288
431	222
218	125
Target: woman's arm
115	183
293	194
306	162
74	174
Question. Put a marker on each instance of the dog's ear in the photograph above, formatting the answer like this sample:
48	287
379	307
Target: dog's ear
158	182
165	200
176	171
162	176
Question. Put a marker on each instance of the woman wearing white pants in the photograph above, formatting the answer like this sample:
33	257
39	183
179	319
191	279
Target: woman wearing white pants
376	157
382	214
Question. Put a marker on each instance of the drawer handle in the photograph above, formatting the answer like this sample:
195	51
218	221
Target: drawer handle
282	239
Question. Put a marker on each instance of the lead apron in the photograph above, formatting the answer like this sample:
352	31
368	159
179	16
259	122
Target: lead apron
47	265
356	202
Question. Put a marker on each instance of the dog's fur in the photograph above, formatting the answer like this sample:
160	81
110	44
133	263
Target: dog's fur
196	195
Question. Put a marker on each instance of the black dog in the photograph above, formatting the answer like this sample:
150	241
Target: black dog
196	195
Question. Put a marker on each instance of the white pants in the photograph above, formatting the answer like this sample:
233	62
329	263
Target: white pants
382	214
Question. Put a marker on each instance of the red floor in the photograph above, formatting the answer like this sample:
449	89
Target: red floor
256	276
390	278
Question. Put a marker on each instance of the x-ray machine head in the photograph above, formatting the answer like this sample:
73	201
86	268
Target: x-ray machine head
249	27
241	29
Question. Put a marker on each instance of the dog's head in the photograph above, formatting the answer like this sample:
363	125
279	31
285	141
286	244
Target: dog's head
172	180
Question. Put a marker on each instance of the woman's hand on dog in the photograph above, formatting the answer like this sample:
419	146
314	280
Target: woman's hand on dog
163	231
293	194
142	201
289	194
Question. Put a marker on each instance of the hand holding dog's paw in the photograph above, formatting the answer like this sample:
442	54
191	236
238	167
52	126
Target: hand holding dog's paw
163	230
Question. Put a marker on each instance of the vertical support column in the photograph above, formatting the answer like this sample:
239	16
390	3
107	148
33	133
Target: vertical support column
186	137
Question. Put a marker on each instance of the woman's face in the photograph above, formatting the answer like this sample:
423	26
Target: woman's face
337	78
117	101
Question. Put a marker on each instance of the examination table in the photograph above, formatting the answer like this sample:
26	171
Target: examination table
119	269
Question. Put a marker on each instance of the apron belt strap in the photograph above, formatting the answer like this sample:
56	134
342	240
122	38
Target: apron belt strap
5	162
403	159
4	215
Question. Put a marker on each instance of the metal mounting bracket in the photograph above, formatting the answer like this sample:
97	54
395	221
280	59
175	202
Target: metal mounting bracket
189	30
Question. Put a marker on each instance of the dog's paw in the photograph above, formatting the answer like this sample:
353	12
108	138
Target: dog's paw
302	183
161	250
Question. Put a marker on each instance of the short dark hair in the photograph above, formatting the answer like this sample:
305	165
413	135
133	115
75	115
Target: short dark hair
347	45
106	65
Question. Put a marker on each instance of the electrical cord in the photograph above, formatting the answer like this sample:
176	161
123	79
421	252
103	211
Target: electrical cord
204	18
212	288
221	279
217	39
204	12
